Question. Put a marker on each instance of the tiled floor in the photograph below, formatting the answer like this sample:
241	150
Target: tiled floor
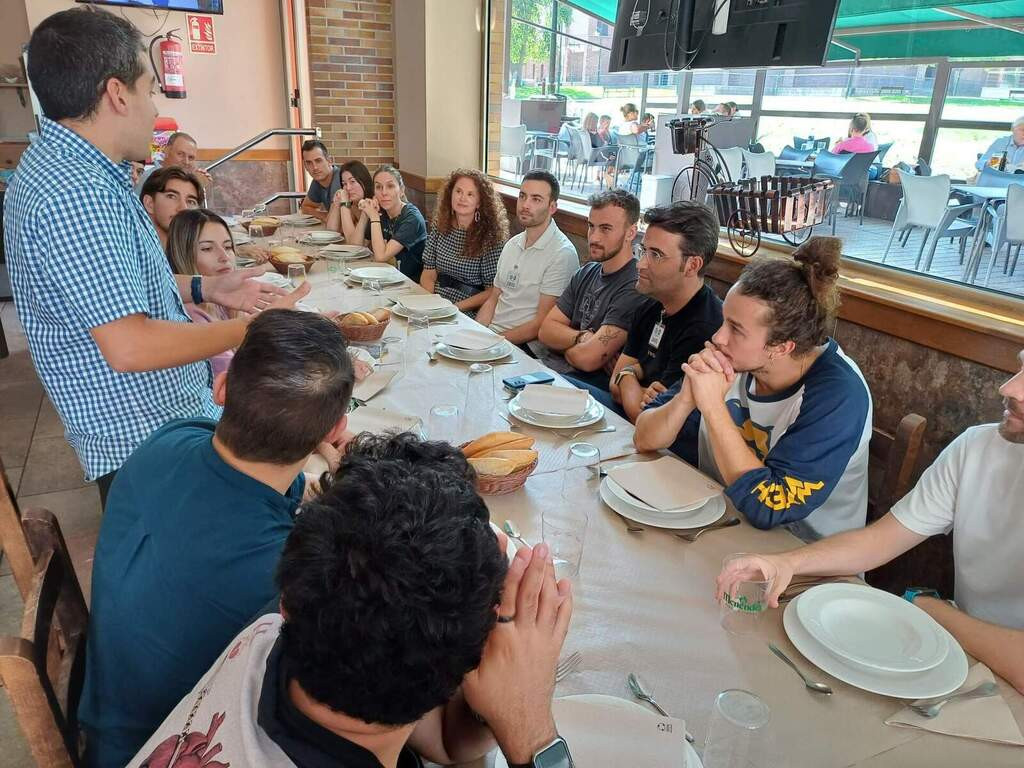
44	473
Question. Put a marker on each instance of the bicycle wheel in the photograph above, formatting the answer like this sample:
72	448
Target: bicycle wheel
693	182
744	234
797	236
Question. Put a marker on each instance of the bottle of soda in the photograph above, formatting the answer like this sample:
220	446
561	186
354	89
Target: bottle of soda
1002	161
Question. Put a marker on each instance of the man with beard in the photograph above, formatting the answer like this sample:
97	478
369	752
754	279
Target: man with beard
587	326
535	266
326	179
973	489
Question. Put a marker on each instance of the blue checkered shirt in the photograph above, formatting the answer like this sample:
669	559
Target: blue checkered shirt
82	252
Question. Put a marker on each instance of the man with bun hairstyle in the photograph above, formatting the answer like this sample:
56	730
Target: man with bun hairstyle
785	415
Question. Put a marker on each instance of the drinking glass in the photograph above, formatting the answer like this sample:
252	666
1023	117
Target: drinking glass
479	400
737	733
740	613
297	274
374	287
444	424
256	231
335	267
564	526
417	339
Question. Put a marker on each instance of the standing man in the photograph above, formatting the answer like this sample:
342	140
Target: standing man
535	265
104	316
326	179
586	329
166	193
680	241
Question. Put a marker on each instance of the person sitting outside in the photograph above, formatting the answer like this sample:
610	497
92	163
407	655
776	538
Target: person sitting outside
683	313
535	266
326	179
591	124
784	416
969	491
604	130
395	227
631	122
698	107
166	193
858	141
1012	146
586	329
200	243
356	185
195	523
470	228
181	150
401	630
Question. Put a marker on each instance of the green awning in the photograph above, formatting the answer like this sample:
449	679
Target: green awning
602	9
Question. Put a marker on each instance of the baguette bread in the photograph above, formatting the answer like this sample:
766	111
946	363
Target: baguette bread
521	458
493	467
494	440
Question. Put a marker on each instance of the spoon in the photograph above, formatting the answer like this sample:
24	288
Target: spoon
930	708
513	531
811	685
641	693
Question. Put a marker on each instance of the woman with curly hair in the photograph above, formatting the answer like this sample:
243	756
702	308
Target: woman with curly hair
470	228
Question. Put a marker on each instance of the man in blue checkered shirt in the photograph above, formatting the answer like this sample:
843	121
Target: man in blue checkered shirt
104	315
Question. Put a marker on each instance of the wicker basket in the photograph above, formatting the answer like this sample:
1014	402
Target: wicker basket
362	332
282	266
490	485
268	229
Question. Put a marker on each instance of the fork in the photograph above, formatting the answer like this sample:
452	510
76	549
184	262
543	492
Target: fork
609	428
714	527
568	665
931	708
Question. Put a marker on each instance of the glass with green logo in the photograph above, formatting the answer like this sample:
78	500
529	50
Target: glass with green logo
740	611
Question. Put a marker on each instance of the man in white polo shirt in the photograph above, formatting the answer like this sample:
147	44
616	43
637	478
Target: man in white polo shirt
973	489
535	265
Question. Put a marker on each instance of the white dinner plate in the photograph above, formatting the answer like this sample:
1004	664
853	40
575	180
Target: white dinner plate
937	681
710	512
497	352
350	252
593	414
629	498
387	275
690	757
434	314
320	237
872	629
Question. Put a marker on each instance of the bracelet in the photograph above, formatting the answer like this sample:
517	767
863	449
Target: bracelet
197	289
375	221
627	371
579	336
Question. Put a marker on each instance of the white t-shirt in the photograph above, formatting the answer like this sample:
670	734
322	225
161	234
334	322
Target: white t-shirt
525	273
976	489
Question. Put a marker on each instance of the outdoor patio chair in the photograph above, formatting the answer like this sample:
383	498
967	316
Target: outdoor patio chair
758	164
513	144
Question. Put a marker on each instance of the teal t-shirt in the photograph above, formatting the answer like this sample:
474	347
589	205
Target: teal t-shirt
185	558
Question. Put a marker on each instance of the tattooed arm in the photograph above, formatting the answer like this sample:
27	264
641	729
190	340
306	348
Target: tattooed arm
596	350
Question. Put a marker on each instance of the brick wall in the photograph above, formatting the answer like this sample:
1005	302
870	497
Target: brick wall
495	87
351	59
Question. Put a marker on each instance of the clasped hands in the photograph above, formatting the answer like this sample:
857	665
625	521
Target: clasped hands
370	207
708	376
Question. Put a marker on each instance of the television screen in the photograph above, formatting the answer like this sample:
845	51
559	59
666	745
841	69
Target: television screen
203	6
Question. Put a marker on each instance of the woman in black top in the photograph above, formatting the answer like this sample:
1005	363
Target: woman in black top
395	227
470	229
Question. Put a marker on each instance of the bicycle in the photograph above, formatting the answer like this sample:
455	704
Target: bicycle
690	137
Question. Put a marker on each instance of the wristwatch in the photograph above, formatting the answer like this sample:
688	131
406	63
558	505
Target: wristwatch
197	289
629	370
554	755
579	336
914	592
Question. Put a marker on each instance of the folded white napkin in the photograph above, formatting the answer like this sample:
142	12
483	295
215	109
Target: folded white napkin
561	401
471	339
377	273
373	384
988	719
424	301
352	251
378	421
666	483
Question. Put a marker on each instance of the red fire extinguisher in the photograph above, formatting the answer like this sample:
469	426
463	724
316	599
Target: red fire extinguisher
172	84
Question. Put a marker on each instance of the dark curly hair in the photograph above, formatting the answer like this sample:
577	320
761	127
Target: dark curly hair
801	292
389	581
490	231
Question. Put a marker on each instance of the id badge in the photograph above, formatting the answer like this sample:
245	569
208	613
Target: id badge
656	333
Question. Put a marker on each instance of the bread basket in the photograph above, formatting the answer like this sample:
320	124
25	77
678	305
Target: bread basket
268	229
493	485
362	333
282	266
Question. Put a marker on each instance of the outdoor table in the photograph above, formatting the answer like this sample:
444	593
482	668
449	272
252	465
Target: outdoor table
988	194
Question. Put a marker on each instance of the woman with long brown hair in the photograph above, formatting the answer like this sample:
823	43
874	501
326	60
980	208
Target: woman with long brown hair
470	228
356	185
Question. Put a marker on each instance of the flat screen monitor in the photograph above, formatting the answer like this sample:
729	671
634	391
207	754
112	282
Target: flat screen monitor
713	34
201	6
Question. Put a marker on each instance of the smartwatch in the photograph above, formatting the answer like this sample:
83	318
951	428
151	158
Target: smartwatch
197	289
554	755
914	592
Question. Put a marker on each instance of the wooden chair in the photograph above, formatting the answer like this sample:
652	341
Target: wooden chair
12	537
43	669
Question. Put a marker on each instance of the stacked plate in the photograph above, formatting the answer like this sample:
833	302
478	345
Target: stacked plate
875	641
703	512
433	306
473	346
544	405
387	275
300	219
322	237
350	252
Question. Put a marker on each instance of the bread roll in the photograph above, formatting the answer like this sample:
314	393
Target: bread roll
521	459
353	318
382	315
523	443
370	319
265	221
493	467
493	440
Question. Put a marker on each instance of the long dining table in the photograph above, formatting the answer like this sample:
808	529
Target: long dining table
644	602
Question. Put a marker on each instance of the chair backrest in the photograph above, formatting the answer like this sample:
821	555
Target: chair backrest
791	153
990	177
632	140
12	537
923	168
800	141
925	198
830	164
1014	213
855	172
883	150
579	144
43	670
513	140
822	144
758	164
733	157
892	461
